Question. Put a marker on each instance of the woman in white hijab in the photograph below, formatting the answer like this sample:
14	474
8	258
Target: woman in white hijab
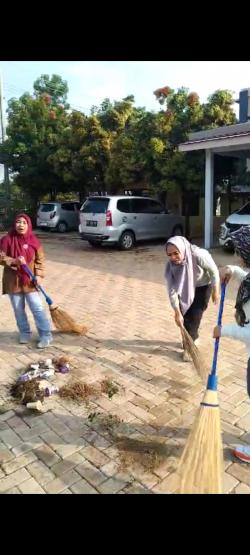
192	277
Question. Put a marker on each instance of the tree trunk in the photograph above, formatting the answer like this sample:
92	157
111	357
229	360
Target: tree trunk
162	196
82	195
34	201
53	194
187	225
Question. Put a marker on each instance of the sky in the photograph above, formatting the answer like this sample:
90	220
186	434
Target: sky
91	81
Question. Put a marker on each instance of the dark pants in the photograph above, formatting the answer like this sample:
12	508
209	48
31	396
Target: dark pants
193	316
248	377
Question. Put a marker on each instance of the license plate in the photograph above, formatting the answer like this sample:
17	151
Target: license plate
91	223
43	224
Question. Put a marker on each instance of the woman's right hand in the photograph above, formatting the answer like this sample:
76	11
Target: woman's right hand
225	274
8	261
20	260
179	320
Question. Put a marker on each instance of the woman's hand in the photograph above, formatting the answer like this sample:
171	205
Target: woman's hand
20	260
217	332
215	294
38	280
179	320
11	262
225	274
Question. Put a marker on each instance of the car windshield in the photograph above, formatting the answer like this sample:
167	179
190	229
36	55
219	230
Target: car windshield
47	208
95	206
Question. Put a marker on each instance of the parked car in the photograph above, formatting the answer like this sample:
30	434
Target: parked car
124	220
61	216
233	222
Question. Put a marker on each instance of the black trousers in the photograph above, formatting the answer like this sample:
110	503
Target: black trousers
193	316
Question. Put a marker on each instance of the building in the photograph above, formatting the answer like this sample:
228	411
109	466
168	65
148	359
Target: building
229	140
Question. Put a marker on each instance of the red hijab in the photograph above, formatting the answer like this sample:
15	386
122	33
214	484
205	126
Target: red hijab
14	245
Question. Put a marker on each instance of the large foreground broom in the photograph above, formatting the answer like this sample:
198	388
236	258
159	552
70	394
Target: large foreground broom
61	319
201	465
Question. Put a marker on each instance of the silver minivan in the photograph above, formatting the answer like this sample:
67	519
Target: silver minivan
61	216
124	220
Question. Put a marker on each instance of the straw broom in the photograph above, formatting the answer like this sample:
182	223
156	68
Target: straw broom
201	465
197	359
61	319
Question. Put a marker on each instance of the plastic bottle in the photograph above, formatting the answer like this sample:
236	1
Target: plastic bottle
50	390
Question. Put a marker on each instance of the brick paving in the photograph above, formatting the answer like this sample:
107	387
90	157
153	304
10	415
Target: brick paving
133	341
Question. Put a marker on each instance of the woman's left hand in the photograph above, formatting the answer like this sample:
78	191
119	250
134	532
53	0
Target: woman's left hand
215	294
38	280
217	332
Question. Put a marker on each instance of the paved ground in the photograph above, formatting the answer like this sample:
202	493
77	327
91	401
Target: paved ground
134	441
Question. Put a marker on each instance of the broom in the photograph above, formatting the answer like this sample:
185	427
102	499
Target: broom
197	359
61	319
201	465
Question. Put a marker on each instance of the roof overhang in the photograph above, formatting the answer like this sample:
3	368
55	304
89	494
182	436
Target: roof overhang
230	142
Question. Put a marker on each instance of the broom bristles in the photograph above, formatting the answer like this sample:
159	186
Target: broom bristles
197	359
201	465
65	323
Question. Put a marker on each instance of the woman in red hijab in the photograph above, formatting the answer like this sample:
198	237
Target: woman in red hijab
21	246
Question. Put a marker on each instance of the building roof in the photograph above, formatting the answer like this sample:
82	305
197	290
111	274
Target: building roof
219	132
217	138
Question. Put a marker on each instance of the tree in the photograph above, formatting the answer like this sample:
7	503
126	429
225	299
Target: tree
53	150
84	149
218	110
189	115
144	149
186	114
83	153
54	90
114	117
139	151
33	130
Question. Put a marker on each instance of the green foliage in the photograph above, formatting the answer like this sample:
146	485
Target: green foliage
55	150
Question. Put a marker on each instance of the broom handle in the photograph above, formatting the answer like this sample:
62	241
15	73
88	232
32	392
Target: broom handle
34	279
217	340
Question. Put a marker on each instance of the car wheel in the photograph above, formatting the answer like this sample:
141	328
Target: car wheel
228	249
127	240
62	227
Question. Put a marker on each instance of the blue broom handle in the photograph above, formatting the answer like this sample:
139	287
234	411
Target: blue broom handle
217	340
34	279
